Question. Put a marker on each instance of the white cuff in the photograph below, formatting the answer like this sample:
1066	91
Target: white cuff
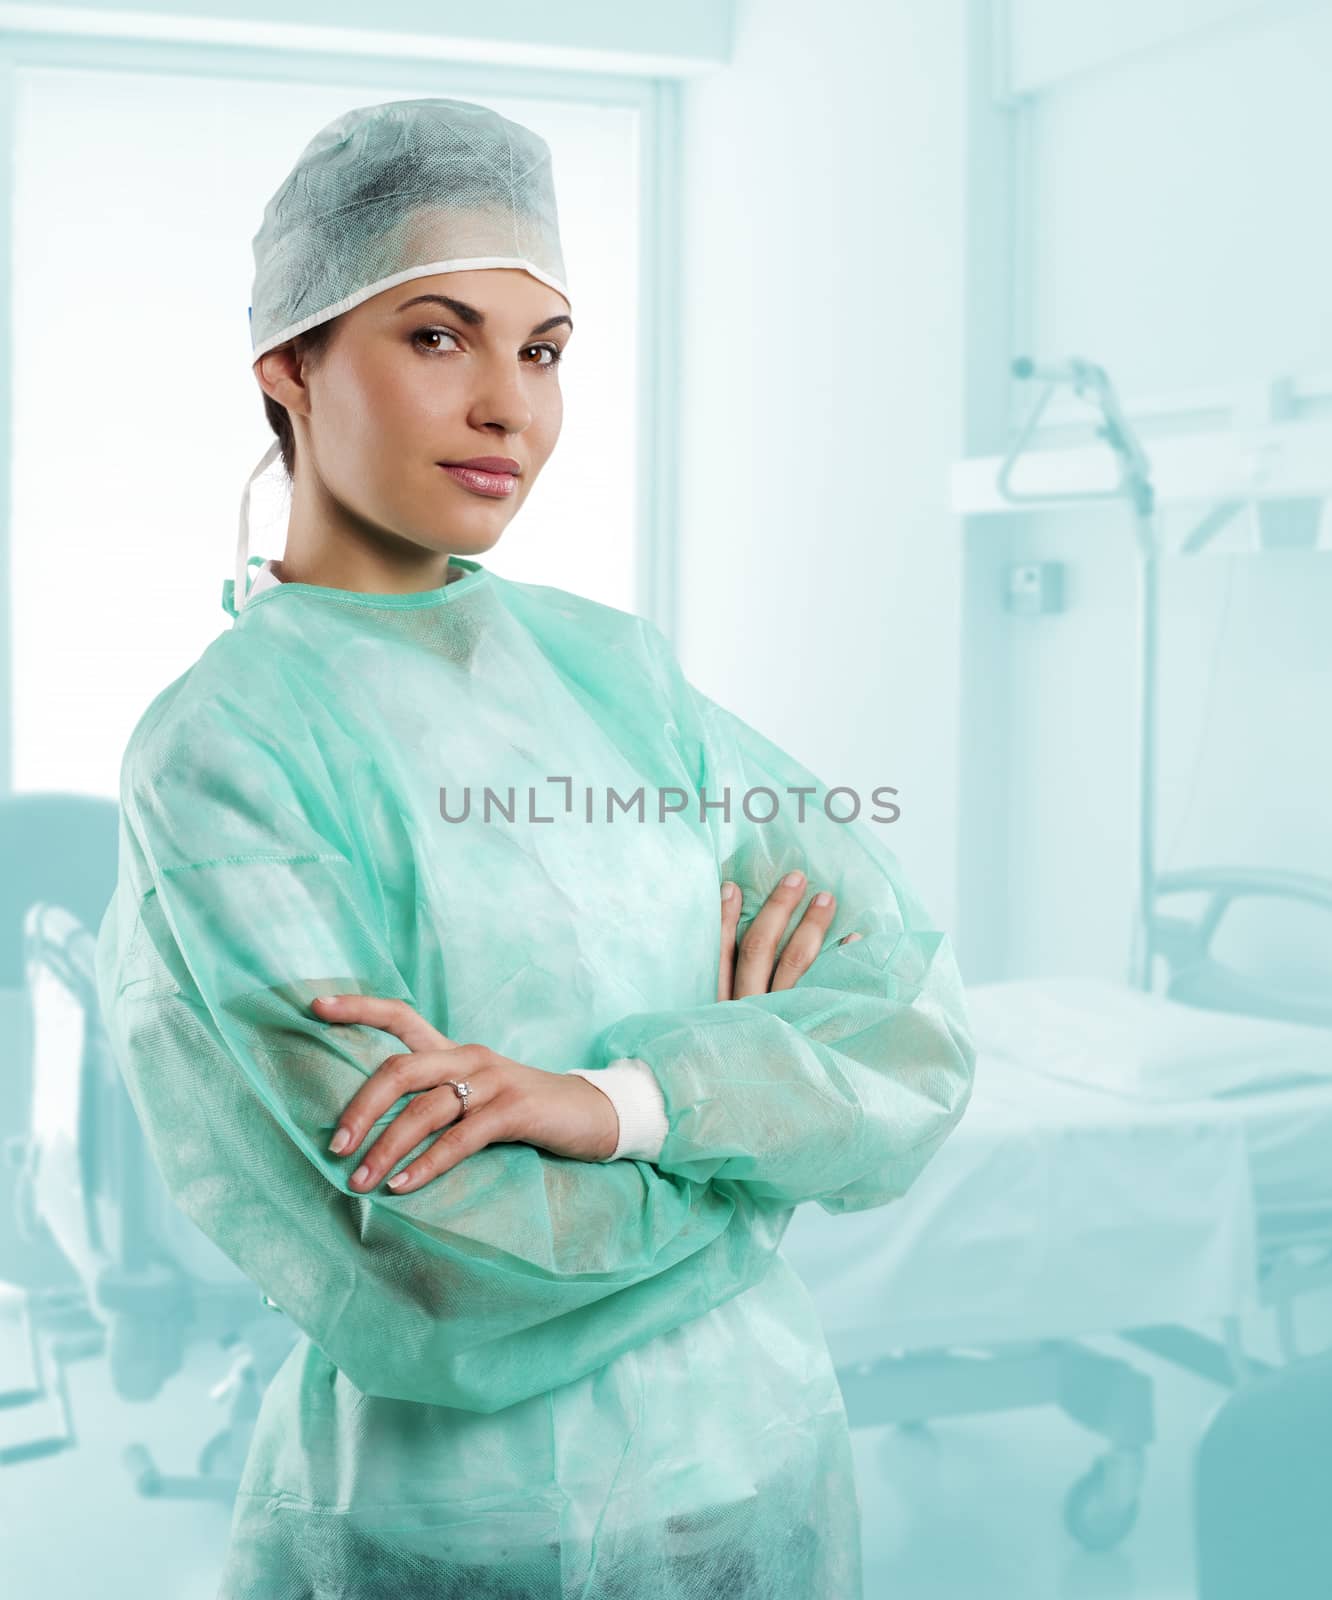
631	1087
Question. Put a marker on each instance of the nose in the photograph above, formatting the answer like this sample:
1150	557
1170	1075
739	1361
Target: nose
500	399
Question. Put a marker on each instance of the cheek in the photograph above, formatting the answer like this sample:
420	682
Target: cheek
404	396
349	416
547	420
405	418
383	397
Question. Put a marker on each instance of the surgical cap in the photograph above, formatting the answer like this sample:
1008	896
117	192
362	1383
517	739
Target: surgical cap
385	194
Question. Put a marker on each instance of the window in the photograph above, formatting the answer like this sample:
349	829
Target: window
136	416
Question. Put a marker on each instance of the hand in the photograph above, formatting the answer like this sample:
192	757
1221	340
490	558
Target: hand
755	969
509	1103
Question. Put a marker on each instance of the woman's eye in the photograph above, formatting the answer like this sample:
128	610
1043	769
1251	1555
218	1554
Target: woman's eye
552	350
426	333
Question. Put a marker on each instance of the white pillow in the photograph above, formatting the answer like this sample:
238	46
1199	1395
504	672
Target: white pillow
1114	1037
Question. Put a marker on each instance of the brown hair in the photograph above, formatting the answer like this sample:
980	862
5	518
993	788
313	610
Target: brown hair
309	346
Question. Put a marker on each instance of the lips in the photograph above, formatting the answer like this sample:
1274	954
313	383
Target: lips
487	464
496	485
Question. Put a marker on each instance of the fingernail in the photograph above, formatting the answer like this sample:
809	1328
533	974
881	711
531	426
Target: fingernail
397	1178
728	890
822	898
791	879
326	1000
339	1142
361	1174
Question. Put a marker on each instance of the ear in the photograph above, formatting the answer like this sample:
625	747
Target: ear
278	374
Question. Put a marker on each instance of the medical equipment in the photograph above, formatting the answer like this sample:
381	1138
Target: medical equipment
149	1283
101	1263
1135	488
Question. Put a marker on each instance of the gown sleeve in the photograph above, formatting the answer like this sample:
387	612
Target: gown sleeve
841	1088
513	1273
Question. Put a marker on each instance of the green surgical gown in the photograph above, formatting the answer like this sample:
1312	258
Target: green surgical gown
534	1377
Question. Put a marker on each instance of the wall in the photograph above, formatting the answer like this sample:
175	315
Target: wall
824	302
1172	227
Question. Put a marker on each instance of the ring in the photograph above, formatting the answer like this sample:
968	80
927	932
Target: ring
462	1090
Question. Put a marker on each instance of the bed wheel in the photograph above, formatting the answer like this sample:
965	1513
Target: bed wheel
142	1469
1102	1505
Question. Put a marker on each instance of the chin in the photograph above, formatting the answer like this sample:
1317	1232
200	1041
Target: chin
473	548
476	532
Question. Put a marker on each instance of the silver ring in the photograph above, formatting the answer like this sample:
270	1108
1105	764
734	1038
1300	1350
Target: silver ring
462	1090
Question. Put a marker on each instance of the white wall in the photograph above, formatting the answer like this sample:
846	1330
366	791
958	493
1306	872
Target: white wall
1180	201
1049	40
824	298
1178	233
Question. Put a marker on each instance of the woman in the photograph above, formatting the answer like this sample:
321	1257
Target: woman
564	1357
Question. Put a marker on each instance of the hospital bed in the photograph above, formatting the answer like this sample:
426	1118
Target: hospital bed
1131	1165
1052	1216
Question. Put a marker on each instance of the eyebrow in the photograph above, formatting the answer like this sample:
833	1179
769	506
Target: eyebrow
475	318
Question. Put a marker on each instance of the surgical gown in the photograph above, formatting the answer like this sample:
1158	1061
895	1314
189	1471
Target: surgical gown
534	1377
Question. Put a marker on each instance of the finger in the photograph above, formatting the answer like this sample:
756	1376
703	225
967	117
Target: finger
730	920
390	1016
480	1127
436	1108
758	948
803	947
394	1077
850	938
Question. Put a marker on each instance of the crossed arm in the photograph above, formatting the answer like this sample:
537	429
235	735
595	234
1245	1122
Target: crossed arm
506	1101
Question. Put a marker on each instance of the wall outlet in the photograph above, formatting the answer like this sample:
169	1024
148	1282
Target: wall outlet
1034	588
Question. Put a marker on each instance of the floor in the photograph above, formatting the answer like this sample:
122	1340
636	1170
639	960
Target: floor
973	1506
966	1507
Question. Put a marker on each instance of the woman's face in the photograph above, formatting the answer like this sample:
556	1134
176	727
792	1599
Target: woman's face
437	370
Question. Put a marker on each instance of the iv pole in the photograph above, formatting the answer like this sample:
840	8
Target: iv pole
1090	382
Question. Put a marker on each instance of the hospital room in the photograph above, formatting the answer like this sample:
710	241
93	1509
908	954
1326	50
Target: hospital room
759	1028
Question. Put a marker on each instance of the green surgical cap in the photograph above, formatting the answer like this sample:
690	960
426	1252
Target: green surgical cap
385	194
398	191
